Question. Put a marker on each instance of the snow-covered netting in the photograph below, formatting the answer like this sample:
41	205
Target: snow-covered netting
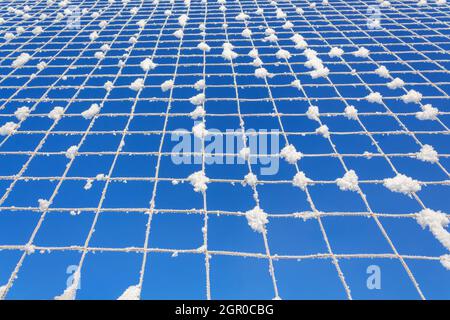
268	149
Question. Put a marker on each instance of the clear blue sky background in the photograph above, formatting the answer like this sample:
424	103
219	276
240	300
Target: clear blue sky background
105	275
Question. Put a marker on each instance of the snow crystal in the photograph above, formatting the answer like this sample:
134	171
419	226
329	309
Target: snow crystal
319	73
300	180
131	293
229	54
199	112
351	113
257	63
199	85
396	83
43	204
361	53
412	96
204	46
428	113
296	84
436	221
108	86
167	85
444	259
147	64
250	179
56	113
22	59
257	219
287	25
246	33
37	31
290	154
93	110
323	130
428	154
402	184
198	180
242	16
271	38
199	130
137	84
296	38
375	97
71	152
22	113
99	55
182	20
141	23
8	128
348	182
197	99
280	14
178	34
9	36
283	54
335	52
313	113
262	73
41	65
244	153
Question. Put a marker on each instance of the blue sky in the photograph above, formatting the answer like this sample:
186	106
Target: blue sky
108	269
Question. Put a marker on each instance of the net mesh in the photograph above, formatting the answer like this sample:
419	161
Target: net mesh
103	176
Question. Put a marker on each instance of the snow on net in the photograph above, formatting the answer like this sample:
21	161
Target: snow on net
224	149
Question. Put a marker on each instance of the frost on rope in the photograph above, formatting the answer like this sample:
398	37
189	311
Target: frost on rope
93	110
167	85
428	154
396	83
22	113
300	180
8	128
361	53
250	179
412	96
313	113
348	182
43	204
147	64
290	154
428	113
323	131
197	99
382	71
375	97
199	130
131	293
199	181
402	184
21	60
199	112
436	221
72	152
137	84
351	113
257	219
445	261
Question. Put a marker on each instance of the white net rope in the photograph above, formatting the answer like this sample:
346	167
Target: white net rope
97	46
